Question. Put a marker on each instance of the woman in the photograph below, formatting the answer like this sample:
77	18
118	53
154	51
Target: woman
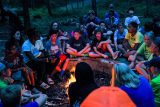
16	38
84	84
137	87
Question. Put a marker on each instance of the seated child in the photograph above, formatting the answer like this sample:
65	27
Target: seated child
77	46
100	45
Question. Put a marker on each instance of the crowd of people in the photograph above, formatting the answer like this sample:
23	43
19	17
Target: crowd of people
32	62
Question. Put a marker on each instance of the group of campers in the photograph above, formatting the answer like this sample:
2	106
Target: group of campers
31	63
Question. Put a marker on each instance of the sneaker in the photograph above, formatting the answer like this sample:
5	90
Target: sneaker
44	86
85	55
50	81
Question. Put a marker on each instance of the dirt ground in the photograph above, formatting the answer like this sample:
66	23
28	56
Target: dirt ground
58	93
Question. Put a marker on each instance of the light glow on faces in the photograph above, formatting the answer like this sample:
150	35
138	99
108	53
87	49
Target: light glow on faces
98	35
147	40
53	38
76	35
17	35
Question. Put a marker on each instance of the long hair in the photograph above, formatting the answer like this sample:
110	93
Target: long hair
124	76
84	74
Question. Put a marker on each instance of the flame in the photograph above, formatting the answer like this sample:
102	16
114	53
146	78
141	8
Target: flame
72	77
73	69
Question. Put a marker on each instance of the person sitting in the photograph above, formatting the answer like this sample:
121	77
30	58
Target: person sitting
111	21
137	87
5	74
132	41
141	67
83	86
14	59
131	17
104	29
16	38
91	22
32	57
119	35
11	97
100	45
148	26
144	52
53	47
111	7
56	26
77	46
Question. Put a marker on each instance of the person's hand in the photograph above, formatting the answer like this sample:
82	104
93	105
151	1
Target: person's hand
46	60
74	50
109	41
140	63
95	49
131	58
25	99
99	45
91	23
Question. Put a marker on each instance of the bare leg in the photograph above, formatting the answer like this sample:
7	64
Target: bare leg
120	47
129	53
73	53
94	55
141	69
31	74
26	75
86	51
114	54
65	64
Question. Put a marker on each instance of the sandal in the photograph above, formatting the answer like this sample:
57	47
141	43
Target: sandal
50	81
44	86
115	56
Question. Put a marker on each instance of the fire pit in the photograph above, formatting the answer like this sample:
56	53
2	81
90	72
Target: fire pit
58	93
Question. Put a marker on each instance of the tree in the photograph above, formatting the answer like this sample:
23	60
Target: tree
77	3
66	3
147	7
82	2
94	6
26	14
49	8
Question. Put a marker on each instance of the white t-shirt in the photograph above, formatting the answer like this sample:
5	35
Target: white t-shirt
131	19
39	45
29	47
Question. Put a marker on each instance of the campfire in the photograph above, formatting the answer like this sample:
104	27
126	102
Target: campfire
72	77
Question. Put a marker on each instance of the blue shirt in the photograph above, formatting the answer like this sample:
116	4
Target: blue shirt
53	49
141	96
30	104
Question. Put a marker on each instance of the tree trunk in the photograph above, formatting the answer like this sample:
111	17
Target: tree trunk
26	14
66	5
49	8
94	7
147	7
77	3
82	2
72	3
